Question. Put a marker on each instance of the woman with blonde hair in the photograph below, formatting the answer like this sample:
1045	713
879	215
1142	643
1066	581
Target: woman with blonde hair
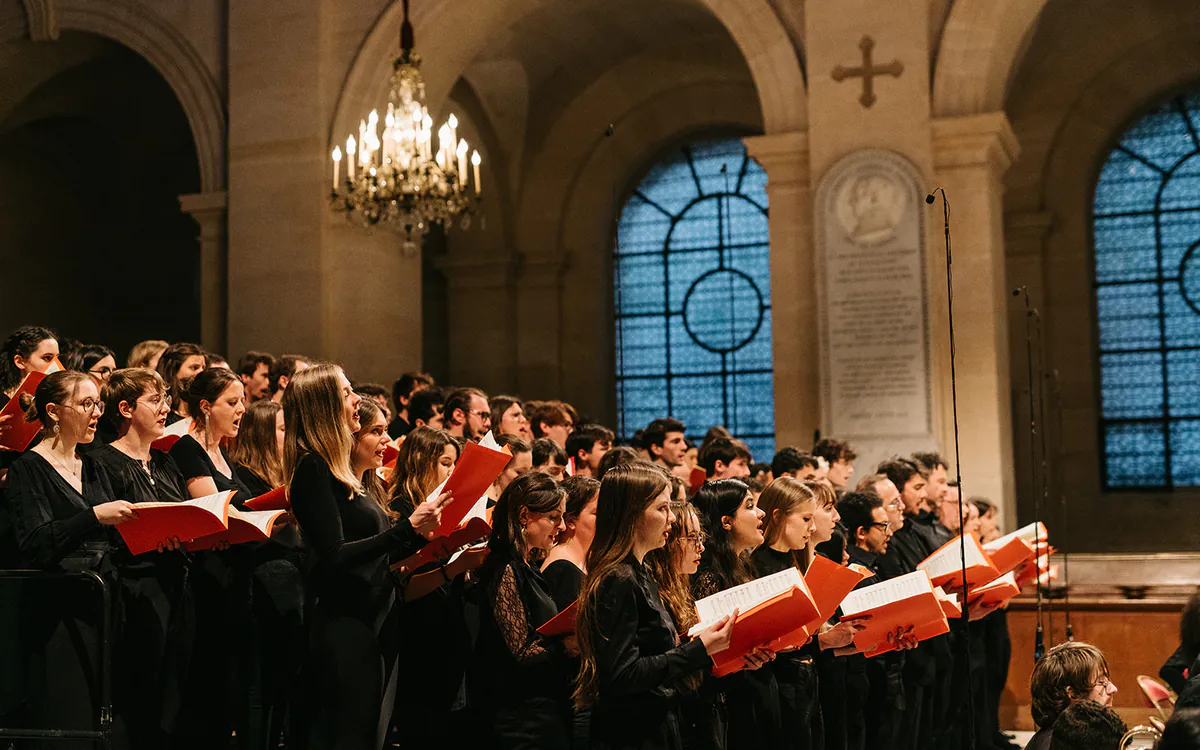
350	670
632	662
145	354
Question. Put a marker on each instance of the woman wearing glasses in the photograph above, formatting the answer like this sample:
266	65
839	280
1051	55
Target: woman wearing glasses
154	594
60	504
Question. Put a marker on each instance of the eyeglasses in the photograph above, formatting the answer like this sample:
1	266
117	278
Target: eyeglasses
696	540
885	525
893	506
103	372
486	416
89	405
158	401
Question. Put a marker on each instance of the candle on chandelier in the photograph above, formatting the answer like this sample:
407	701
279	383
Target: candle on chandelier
462	161
475	162
445	148
452	121
337	166
350	158
362	141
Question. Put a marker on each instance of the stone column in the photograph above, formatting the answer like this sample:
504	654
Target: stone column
971	155
794	338
539	328
209	212
481	317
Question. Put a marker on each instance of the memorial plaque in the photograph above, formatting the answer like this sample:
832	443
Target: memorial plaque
874	334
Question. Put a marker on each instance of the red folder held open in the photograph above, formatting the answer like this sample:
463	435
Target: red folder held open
899	603
475	471
945	565
276	499
562	623
157	522
442	547
19	433
244	527
768	624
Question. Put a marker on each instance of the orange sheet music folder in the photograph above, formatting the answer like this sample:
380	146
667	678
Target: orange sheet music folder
945	566
998	591
562	623
276	499
244	527
158	522
829	584
900	603
1009	551
770	624
19	433
949	602
475	471
443	547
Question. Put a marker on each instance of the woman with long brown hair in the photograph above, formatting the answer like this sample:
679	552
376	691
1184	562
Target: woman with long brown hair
425	460
632	662
520	677
790	509
349	674
258	450
732	524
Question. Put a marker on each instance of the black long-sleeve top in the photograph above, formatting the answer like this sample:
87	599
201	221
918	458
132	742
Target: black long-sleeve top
639	662
194	463
130	481
51	519
285	540
767	562
515	666
564	579
348	541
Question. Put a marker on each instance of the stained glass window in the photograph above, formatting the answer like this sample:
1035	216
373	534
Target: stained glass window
693	307
1147	278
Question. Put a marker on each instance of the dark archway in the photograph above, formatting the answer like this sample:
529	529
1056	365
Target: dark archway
95	150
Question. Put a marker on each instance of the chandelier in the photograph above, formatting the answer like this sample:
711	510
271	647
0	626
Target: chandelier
396	177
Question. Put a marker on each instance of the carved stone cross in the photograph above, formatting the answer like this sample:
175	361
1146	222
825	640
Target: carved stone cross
867	71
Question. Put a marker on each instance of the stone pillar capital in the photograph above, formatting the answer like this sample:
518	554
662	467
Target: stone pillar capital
783	155
208	209
975	141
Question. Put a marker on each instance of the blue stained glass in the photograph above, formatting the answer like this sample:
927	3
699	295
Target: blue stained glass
639	283
1135	454
704	259
1146	225
1182	189
1126	185
1128	317
1126	248
642	343
1161	137
1132	385
1185	453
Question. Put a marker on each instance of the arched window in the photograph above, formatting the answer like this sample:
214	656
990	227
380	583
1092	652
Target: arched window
1147	280
692	294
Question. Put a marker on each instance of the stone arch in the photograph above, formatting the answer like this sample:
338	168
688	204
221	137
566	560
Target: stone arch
980	45
137	27
757	30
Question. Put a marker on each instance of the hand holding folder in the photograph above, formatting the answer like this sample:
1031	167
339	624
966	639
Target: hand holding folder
477	467
167	524
902	603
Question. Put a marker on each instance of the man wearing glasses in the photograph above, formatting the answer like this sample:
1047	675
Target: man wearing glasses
466	414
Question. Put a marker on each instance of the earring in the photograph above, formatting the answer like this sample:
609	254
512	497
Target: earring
56	429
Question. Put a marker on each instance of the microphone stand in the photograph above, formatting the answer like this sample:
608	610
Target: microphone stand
962	526
1039	642
1056	394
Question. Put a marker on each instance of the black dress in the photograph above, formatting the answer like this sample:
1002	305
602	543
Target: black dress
222	690
519	678
751	697
639	663
56	529
279	614
795	673
349	671
565	580
157	613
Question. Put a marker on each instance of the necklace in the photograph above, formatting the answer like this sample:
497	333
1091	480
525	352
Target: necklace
68	469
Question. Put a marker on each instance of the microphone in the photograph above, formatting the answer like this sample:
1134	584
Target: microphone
609	131
929	198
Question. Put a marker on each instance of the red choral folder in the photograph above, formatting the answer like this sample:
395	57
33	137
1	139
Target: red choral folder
165	443
20	433
899	603
769	624
276	499
945	565
562	623
244	527
998	591
157	522
1009	551
442	547
697	478
828	584
949	603
475	471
